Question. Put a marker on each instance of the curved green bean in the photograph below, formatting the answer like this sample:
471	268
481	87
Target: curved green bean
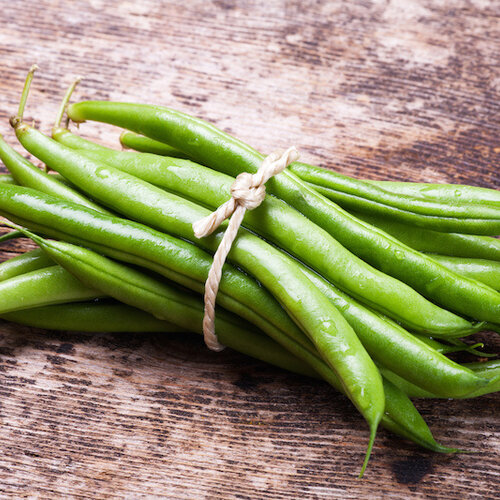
490	370
339	185
443	192
472	225
486	271
95	316
11	235
24	263
425	240
26	174
140	143
51	285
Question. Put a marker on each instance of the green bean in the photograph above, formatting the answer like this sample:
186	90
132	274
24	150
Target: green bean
95	316
490	370
365	193
486	271
312	312
24	263
140	143
7	179
206	144
472	225
51	285
279	223
11	235
443	192
424	240
26	174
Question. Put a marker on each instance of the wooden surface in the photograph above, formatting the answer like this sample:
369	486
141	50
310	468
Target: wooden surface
384	89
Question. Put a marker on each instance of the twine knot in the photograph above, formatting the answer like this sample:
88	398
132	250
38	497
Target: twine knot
247	192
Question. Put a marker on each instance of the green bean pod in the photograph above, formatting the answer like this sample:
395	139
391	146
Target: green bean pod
362	191
351	202
279	223
24	263
11	235
425	240
51	285
7	179
26	174
137	142
486	271
208	145
489	370
312	312
95	316
443	192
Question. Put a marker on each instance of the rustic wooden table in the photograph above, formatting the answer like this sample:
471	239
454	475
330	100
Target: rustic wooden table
384	89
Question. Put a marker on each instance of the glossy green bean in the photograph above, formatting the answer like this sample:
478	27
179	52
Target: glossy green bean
313	313
486	271
11	235
340	184
443	192
24	263
489	370
280	223
96	316
51	285
26	174
472	225
209	146
140	143
425	240
7	179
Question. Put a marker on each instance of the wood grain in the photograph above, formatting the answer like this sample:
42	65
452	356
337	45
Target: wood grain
381	89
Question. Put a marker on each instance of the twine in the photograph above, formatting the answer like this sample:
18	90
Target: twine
247	192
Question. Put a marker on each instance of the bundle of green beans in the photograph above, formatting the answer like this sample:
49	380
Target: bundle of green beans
366	285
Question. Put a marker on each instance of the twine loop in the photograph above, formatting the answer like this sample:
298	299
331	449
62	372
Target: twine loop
247	192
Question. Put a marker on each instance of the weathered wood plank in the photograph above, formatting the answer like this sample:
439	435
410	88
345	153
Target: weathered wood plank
377	89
